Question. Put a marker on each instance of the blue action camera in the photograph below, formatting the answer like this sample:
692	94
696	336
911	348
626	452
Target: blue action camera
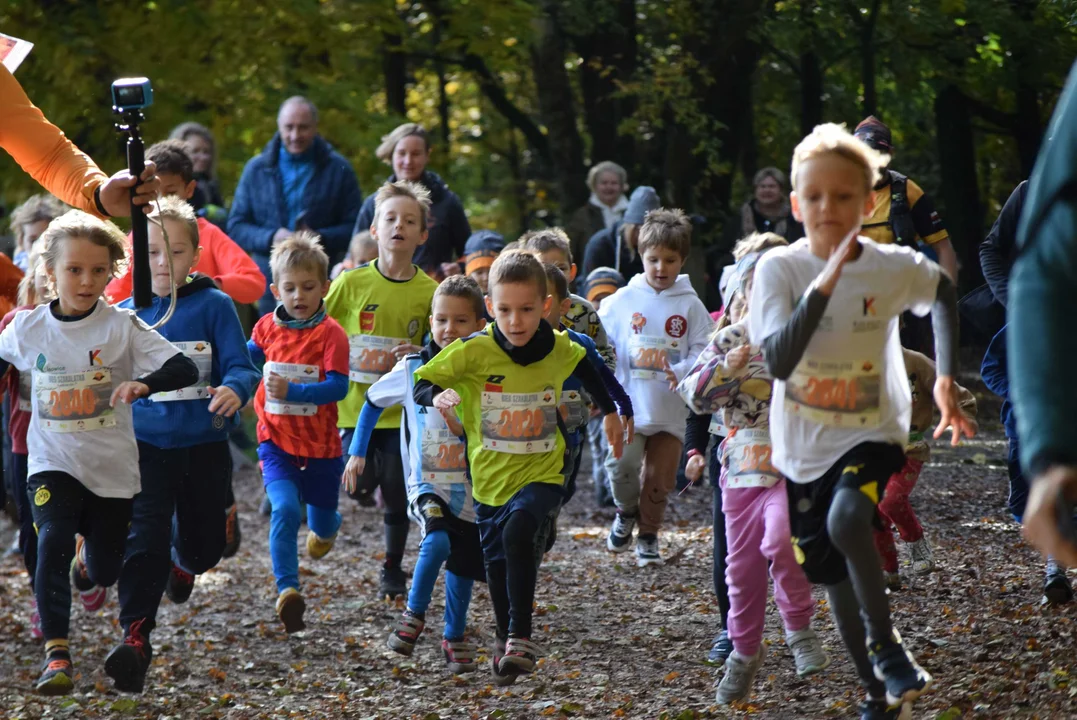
131	94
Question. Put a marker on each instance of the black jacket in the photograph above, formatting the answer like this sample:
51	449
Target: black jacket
602	251
998	252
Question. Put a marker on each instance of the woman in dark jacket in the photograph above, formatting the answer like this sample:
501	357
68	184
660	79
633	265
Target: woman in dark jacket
407	150
605	208
767	211
203	151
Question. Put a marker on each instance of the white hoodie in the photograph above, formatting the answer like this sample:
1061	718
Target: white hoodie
645	327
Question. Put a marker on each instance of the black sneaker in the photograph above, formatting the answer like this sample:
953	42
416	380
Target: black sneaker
501	679
179	586
1057	589
394	582
232	534
128	662
57	674
895	667
872	709
721	649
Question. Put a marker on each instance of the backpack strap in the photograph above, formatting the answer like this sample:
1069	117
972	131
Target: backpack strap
900	220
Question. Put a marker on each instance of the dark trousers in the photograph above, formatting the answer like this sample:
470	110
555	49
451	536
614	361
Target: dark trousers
1018	484
62	506
178	517
27	535
721	548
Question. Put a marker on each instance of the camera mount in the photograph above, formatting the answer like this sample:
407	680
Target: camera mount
129	96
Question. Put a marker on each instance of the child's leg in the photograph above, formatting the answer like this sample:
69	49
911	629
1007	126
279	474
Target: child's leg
624	475
884	545
394	493
849	523
894	505
493	550
1018	484
283	528
845	609
202	503
596	436
521	571
663	453
433	552
721	590
457	601
57	500
27	535
792	591
105	525
746	569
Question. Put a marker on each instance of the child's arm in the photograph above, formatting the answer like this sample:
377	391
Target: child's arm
602	341
592	383
258	355
696	438
239	377
335	364
707	386
389	390
993	369
237	273
781	328
149	349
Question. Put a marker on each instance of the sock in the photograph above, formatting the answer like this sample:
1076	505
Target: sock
58	646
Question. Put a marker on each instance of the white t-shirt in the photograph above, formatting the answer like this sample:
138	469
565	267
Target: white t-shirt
76	365
850	386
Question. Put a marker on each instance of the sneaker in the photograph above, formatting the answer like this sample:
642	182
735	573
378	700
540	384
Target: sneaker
923	559
394	582
56	676
721	649
319	547
808	653
895	667
180	585
893	580
740	672
290	609
621	532
405	633
501	679
459	656
128	662
872	709
232	534
647	551
92	596
520	656
1057	589
35	622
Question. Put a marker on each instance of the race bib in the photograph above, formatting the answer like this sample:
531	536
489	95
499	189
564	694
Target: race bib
647	356
370	357
26	385
75	402
296	374
717	427
201	352
836	393
746	455
521	424
573	410
443	459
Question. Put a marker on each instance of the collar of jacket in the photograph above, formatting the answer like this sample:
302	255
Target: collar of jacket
320	147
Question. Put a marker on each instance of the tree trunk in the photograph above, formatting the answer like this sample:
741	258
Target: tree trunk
867	57
811	92
958	189
395	68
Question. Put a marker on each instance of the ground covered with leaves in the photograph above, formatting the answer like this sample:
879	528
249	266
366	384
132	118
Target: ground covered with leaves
621	642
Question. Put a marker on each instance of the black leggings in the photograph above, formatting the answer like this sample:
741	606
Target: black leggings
27	535
512	580
62	506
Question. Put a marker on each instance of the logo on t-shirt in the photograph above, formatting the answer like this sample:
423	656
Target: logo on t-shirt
676	326
413	327
493	383
95	357
366	318
869	306
638	322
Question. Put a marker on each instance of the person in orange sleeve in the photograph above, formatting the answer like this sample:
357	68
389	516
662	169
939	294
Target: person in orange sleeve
222	259
41	149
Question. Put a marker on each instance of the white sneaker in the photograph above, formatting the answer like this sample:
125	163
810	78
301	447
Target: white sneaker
620	537
923	559
740	672
647	551
808	653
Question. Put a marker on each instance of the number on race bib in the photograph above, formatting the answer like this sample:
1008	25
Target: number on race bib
836	394
75	402
521	424
294	374
746	454
370	357
648	356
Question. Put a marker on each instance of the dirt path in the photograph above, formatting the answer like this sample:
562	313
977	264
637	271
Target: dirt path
622	642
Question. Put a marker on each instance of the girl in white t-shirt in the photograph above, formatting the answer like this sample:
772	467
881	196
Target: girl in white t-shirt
825	311
84	357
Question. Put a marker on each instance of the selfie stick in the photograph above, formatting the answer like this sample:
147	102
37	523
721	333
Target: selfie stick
129	96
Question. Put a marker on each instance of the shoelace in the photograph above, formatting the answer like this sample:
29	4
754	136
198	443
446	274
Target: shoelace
135	637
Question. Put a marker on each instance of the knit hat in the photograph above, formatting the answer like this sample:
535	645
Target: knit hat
643	200
602	280
872	132
481	250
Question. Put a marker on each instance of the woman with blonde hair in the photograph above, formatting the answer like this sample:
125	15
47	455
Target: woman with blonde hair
608	183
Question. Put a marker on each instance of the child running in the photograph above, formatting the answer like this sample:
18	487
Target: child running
731	379
305	375
439	492
85	357
384	309
506	382
183	453
659	326
825	311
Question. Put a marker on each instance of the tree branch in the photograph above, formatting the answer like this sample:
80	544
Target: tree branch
785	57
1001	118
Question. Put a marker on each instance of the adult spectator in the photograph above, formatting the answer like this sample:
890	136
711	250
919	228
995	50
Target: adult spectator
298	182
616	247
998	252
207	199
407	150
40	148
768	210
1042	330
608	182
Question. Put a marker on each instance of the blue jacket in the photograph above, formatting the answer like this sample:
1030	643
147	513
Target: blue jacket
993	372
202	313
447	223
258	209
606	248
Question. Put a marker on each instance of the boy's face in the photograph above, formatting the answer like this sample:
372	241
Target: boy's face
661	266
31	232
558	308
301	291
559	260
453	318
518	309
367	253
184	256
398	226
172	184
597	301
831	200
482	277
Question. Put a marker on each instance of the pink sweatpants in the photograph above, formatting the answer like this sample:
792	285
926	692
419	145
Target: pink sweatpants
895	509
757	531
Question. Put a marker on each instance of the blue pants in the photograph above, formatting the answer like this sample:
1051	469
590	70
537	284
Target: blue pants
433	552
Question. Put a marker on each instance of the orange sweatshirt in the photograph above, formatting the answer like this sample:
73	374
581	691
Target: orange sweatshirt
41	149
222	259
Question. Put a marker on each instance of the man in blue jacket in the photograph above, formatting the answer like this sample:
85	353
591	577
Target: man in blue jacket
299	182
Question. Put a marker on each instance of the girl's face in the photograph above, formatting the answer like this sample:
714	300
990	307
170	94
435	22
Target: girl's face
738	308
31	232
410	157
201	153
82	270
